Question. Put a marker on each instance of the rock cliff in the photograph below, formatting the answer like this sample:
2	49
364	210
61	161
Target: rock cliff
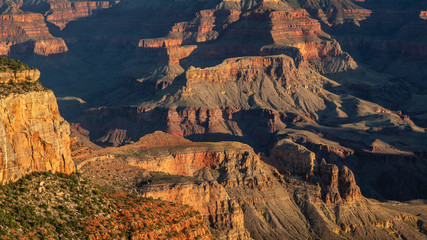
28	33
333	13
34	135
61	13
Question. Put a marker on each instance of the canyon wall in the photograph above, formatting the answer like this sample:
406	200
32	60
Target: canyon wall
28	33
34	137
61	13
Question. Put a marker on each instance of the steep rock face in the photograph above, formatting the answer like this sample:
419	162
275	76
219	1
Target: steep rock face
337	184
27	32
62	12
34	136
348	188
271	22
191	159
291	28
244	198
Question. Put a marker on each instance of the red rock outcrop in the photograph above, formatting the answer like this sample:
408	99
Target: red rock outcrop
63	12
189	158
275	22
285	26
329	180
230	171
159	42
175	54
27	32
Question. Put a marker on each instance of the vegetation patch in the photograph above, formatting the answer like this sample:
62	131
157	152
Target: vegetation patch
12	64
21	87
59	206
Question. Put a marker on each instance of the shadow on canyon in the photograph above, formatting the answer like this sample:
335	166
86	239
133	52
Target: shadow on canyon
103	63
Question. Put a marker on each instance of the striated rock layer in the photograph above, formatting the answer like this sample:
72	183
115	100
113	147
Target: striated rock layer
62	12
34	137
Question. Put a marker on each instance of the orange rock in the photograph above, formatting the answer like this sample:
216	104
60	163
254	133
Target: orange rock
34	137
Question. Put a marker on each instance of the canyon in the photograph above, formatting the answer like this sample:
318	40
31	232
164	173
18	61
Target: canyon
272	118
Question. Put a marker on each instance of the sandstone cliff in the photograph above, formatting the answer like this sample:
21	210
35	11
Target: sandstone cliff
61	13
34	135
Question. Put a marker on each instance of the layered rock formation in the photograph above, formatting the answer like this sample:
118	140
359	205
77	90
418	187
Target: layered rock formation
333	13
259	73
34	135
244	198
27	33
